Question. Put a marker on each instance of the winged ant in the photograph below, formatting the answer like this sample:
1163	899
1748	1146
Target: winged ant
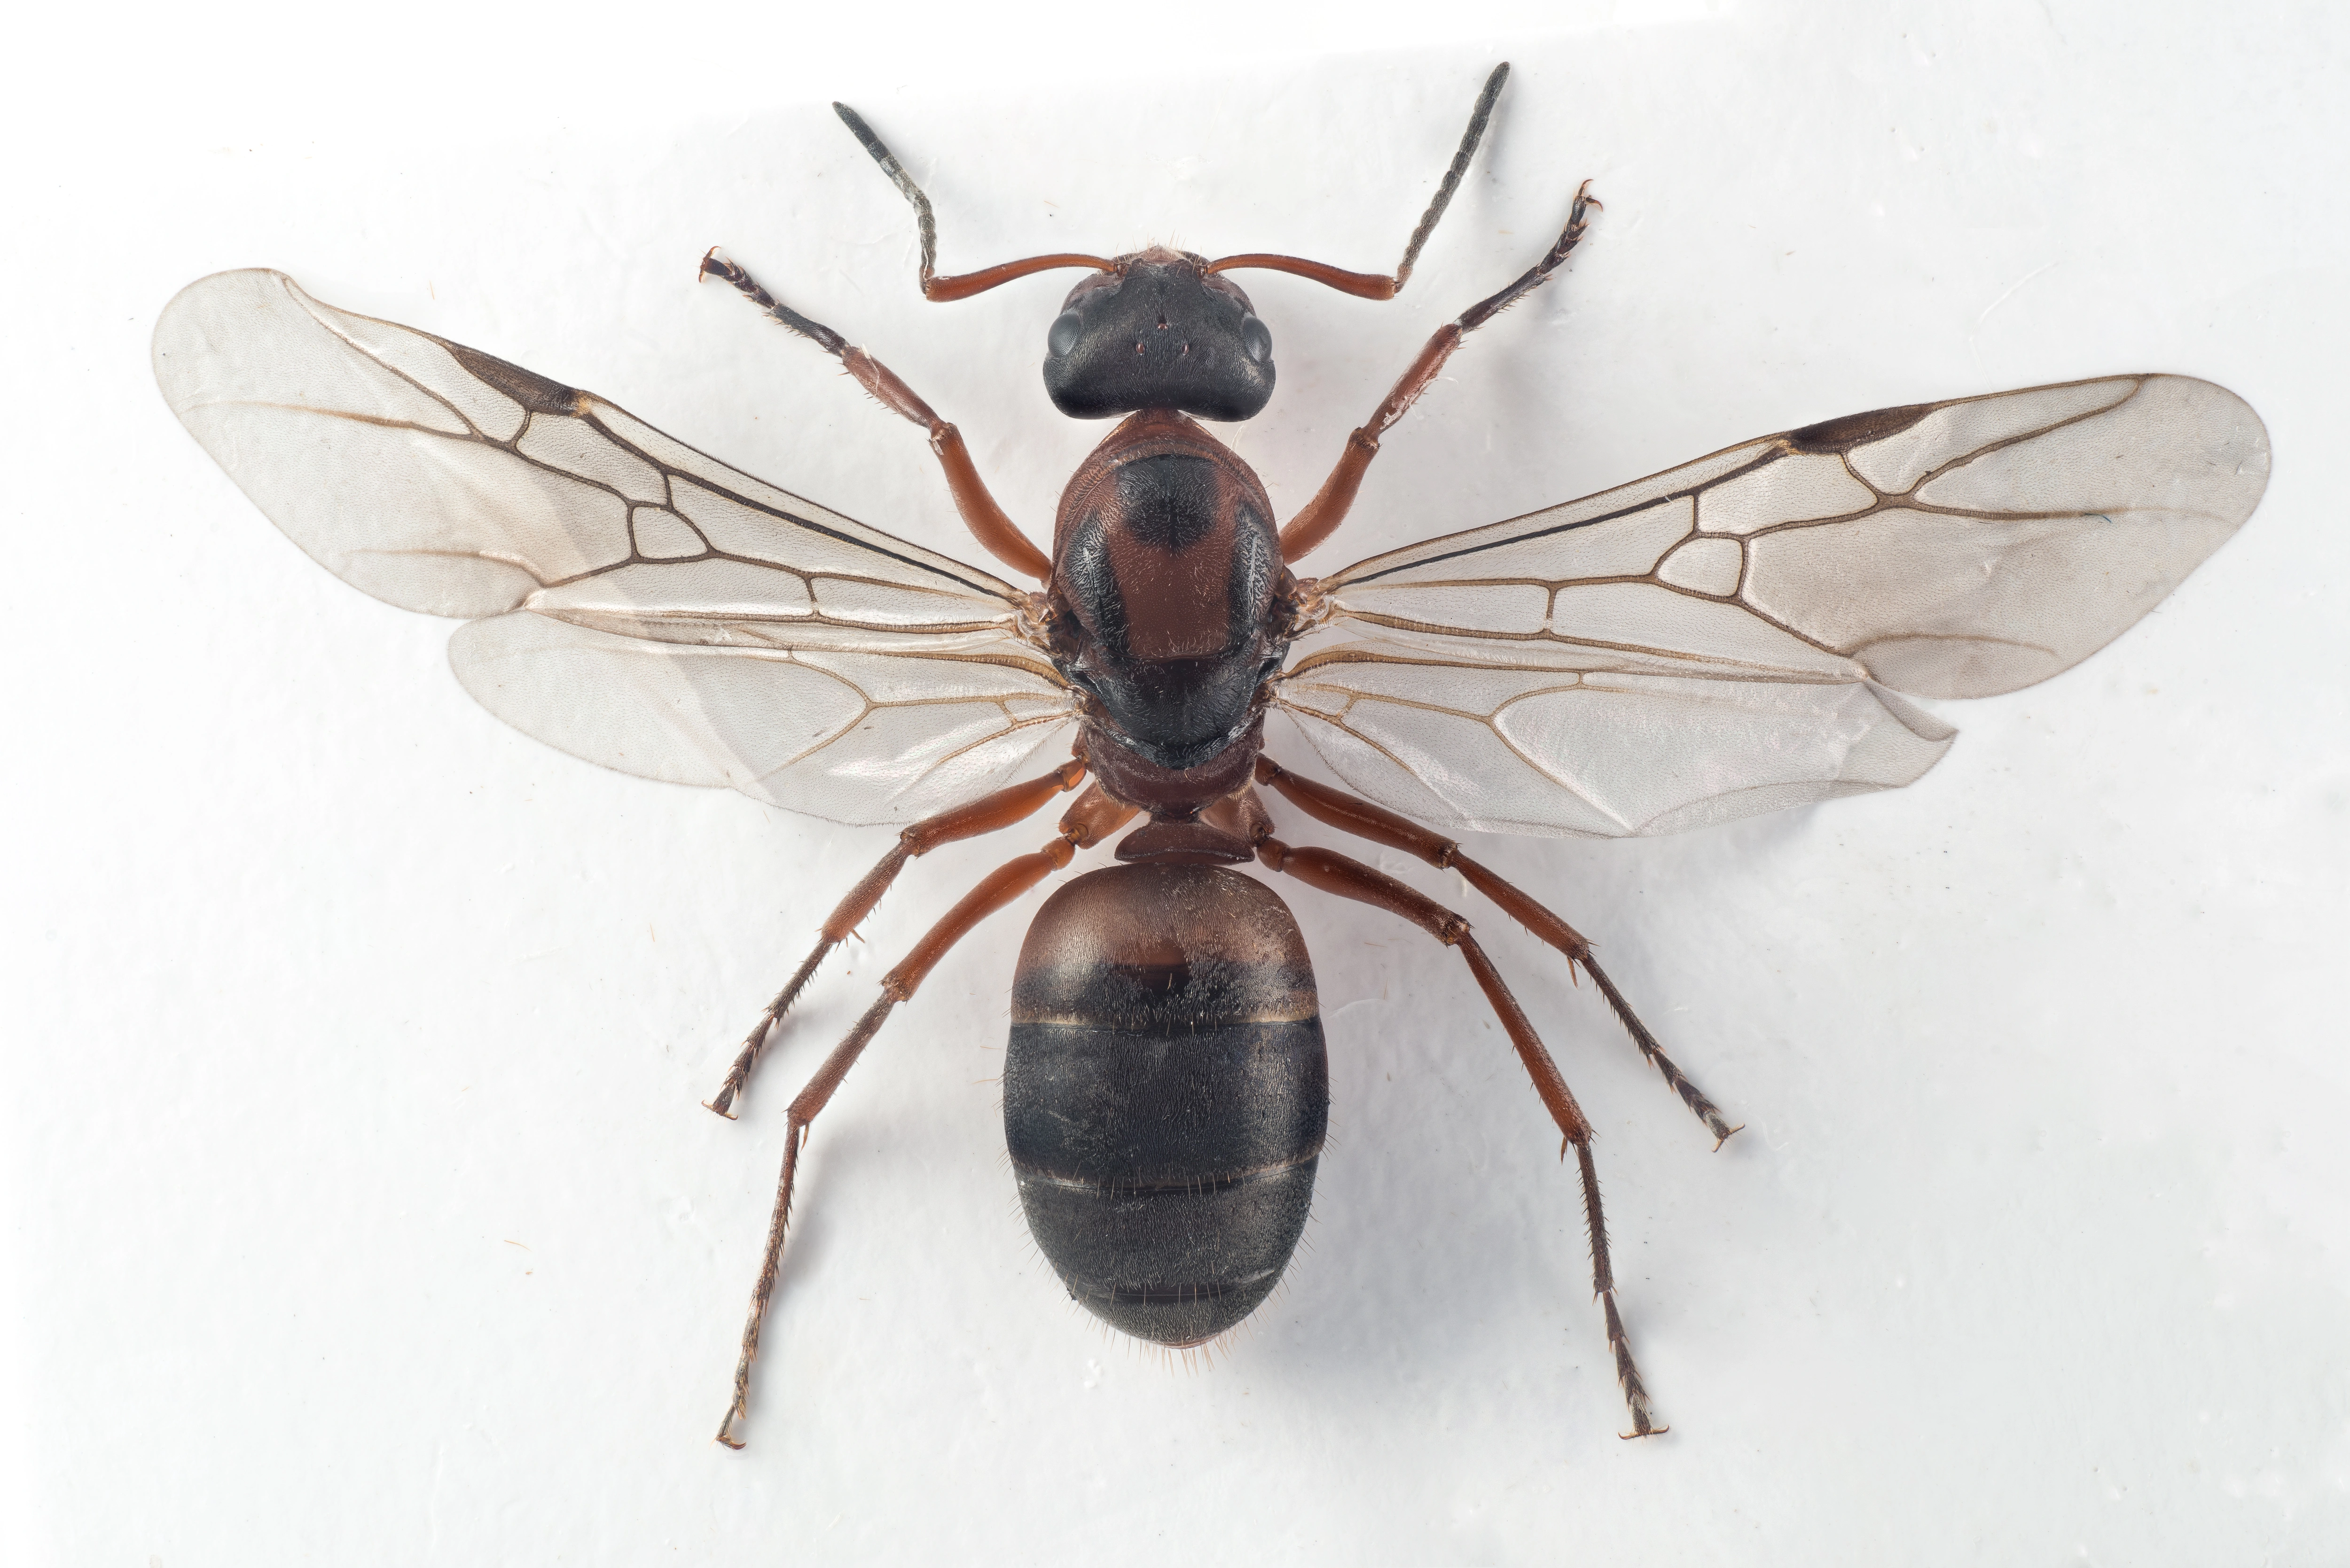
1726	638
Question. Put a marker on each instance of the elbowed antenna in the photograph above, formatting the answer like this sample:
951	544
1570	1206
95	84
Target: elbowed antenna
1362	284
1376	286
964	285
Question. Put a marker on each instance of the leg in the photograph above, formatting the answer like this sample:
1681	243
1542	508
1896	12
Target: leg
1360	817
1091	820
1323	514
980	512
1334	873
986	815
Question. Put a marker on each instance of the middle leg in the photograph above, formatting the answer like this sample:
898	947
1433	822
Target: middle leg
1094	818
1348	813
986	815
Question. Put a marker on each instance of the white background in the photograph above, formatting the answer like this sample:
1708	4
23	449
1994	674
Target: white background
359	1207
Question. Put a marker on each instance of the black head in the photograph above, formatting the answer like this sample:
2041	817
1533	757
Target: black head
1158	331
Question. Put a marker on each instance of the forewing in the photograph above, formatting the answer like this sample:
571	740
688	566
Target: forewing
649	608
1726	638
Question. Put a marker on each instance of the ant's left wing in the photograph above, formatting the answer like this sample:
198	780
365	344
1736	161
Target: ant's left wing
1727	638
630	600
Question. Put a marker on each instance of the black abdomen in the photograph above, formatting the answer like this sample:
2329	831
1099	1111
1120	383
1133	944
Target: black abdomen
1165	1094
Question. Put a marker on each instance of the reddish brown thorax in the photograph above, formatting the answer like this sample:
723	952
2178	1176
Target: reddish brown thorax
1166	576
1172	505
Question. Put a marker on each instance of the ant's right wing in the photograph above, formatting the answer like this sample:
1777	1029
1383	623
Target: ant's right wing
640	605
1727	638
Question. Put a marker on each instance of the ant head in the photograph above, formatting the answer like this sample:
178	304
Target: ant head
1162	328
1157	330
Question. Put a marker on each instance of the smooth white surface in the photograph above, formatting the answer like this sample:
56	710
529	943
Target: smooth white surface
359	1206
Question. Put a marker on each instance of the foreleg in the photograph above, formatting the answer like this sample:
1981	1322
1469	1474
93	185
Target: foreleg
985	519
1321	516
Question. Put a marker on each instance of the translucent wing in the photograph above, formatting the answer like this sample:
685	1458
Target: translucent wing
1727	638
643	605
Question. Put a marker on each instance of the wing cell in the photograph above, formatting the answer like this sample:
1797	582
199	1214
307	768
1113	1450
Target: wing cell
1795	485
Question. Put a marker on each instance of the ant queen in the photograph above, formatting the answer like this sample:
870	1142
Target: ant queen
1732	636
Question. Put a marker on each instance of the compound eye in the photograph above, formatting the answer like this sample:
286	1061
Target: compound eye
1067	328
1256	339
